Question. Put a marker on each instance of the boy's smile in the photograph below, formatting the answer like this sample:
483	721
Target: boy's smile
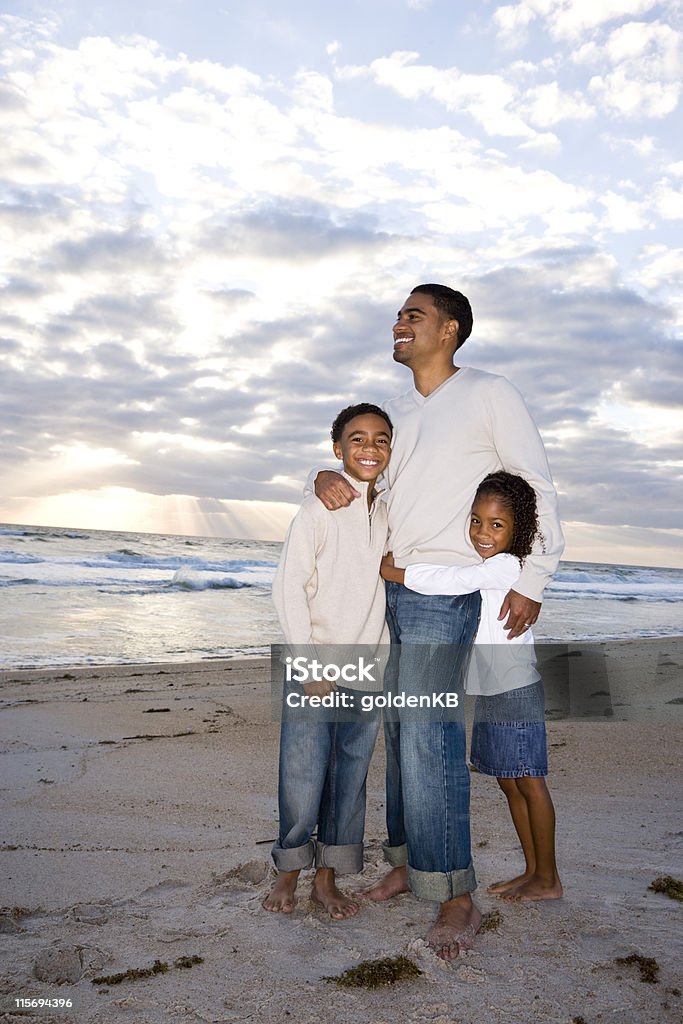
491	526
364	447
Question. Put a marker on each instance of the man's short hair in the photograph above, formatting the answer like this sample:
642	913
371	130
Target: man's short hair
452	305
350	413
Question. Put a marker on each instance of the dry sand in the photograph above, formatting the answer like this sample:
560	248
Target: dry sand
138	806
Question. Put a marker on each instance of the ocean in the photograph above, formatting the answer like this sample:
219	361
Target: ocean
95	597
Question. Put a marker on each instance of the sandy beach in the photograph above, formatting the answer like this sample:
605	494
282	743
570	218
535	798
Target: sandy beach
138	805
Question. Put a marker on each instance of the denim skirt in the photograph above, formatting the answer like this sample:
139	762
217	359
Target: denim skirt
508	734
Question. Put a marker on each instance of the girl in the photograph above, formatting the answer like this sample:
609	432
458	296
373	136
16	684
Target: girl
508	736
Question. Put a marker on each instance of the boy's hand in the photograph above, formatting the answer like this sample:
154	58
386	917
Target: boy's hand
320	688
388	570
334	490
521	613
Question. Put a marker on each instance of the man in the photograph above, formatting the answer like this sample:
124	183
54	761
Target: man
452	428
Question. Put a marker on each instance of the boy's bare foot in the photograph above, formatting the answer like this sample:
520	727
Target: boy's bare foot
326	893
535	889
456	925
498	888
281	898
393	884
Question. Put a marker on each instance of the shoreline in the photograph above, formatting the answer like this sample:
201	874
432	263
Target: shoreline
196	663
138	806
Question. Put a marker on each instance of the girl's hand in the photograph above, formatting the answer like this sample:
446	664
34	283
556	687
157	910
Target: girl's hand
388	570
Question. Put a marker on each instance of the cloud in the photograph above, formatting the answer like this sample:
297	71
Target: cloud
547	105
486	98
274	231
640	69
563	19
624	214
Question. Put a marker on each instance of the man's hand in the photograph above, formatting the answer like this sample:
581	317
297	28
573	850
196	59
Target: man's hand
334	490
319	688
521	613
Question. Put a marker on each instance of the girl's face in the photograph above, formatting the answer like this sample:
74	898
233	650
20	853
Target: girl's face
491	526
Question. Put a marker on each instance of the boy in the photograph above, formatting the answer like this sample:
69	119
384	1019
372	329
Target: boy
328	591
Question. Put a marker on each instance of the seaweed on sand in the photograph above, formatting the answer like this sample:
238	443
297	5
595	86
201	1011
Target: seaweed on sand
649	968
670	886
373	973
136	973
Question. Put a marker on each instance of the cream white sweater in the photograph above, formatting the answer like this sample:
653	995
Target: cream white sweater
327	588
443	446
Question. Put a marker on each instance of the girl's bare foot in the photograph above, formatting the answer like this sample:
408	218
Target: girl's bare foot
535	888
393	884
498	888
326	893
281	898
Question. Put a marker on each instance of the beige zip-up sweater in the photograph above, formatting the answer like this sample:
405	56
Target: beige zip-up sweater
327	588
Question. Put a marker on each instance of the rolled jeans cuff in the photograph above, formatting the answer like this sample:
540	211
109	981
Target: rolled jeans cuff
397	856
345	860
441	886
293	859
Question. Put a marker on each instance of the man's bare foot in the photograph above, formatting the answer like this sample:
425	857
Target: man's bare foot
456	925
498	888
281	898
326	893
534	889
393	884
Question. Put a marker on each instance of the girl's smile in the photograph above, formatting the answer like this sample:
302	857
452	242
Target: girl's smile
491	526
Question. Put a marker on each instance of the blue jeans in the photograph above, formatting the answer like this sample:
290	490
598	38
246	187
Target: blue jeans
428	783
508	734
324	760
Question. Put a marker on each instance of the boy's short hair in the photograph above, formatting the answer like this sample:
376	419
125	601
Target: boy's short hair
350	413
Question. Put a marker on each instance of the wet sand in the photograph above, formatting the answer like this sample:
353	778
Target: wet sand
138	805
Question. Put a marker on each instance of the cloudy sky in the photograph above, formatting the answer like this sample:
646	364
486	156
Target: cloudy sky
211	212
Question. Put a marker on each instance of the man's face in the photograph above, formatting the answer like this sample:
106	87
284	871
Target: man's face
421	332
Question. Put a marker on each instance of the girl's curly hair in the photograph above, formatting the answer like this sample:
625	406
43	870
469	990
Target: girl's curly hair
520	498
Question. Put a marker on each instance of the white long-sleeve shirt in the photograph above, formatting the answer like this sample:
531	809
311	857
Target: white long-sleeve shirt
498	664
443	446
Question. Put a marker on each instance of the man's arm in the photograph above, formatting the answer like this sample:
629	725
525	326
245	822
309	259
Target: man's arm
331	488
521	451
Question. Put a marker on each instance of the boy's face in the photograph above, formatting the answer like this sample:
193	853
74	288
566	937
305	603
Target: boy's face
364	447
